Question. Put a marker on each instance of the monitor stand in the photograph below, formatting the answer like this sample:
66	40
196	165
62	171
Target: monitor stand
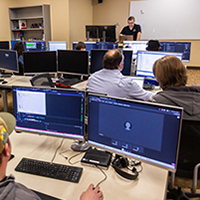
80	146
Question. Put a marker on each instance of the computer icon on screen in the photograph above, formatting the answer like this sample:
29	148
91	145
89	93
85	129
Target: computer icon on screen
144	131
146	60
49	111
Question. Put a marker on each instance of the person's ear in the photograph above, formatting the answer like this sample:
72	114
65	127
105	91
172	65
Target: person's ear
6	150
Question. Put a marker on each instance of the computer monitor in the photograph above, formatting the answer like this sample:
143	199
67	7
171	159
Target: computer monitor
73	62
89	46
4	45
49	111
146	60
145	131
8	60
106	45
134	46
97	59
106	33
57	45
179	47
35	46
40	62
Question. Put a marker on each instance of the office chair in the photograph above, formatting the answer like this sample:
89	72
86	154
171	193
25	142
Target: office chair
188	160
42	80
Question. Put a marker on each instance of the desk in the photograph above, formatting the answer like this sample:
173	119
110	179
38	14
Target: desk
151	184
13	80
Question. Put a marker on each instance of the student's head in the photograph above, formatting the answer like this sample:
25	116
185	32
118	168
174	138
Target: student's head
80	46
169	71
131	21
153	45
19	47
113	59
7	124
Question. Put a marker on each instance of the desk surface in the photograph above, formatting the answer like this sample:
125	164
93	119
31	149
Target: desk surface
150	185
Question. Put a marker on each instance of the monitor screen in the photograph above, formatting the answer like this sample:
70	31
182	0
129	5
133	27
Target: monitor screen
97	59
145	131
4	45
57	45
107	45
89	46
13	43
98	32
49	111
40	62
146	60
134	46
35	46
179	47
109	31
73	62
8	60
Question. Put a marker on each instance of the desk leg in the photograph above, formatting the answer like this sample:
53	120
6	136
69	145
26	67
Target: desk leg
5	100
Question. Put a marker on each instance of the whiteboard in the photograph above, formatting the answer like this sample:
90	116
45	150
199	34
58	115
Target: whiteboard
167	19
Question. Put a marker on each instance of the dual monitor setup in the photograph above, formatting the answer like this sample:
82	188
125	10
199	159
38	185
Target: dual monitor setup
141	130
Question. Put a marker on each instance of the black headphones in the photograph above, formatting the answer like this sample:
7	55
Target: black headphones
120	162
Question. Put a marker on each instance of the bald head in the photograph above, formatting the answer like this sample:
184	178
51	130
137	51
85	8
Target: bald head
112	59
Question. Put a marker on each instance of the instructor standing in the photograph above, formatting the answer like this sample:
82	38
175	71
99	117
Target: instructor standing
132	29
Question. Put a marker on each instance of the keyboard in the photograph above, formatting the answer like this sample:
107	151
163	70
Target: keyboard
50	170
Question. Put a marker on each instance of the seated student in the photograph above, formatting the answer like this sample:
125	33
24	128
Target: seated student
19	47
9	189
80	46
110	80
171	74
153	45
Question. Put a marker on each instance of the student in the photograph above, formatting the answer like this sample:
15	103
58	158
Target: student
153	45
19	47
132	29
171	74
80	46
112	82
9	189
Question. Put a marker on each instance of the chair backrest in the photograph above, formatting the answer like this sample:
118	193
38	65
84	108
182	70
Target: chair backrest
189	151
42	80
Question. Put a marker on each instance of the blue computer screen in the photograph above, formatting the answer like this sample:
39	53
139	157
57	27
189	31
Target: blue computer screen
89	46
106	45
143	130
179	47
49	111
35	46
146	60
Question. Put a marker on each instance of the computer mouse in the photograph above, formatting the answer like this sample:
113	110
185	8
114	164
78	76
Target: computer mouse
4	82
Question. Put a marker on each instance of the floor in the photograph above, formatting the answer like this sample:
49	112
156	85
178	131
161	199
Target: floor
193	79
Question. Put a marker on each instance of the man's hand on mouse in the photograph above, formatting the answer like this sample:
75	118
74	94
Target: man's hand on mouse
92	193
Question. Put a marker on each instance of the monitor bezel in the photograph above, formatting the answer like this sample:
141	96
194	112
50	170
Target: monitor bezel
154	52
132	156
53	135
32	52
73	73
3	68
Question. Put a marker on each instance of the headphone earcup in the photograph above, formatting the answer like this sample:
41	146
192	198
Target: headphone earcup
124	162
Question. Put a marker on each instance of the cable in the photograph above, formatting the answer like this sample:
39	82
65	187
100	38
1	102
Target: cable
57	150
103	174
69	160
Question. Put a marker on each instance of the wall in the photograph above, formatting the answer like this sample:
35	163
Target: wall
4	18
80	14
117	11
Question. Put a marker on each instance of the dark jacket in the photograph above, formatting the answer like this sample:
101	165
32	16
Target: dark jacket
10	190
186	97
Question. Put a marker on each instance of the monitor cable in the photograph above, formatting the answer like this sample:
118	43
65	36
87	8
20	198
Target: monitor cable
57	150
105	176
